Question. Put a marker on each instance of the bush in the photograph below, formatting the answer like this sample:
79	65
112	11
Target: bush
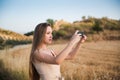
11	43
14	42
29	33
97	27
59	34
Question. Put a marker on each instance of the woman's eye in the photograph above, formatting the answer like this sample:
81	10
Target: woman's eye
48	32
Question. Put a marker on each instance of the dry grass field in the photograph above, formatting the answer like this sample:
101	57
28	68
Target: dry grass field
94	61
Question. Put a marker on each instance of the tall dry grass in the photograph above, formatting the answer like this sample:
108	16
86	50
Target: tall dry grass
94	61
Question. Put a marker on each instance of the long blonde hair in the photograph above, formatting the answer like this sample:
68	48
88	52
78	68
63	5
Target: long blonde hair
38	37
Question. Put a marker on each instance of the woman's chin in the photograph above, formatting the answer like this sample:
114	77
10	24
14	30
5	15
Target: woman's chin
49	42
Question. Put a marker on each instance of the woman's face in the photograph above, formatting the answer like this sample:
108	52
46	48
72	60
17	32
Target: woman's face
48	36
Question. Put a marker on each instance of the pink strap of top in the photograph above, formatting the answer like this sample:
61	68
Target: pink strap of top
53	53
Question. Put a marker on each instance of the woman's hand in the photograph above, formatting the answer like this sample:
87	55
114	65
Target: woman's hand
83	39
76	37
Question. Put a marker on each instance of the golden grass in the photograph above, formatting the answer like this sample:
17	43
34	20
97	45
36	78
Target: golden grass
94	61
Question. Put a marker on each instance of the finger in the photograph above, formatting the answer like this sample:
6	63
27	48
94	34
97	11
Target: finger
84	37
83	41
76	32
80	35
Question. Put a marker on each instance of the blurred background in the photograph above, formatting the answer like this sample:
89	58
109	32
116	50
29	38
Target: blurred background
97	59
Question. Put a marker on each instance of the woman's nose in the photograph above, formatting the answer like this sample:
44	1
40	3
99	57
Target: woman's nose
51	36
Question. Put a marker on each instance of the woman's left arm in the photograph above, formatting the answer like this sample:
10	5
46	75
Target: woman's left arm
75	49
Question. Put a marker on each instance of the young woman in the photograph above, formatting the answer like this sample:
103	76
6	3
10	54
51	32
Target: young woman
44	63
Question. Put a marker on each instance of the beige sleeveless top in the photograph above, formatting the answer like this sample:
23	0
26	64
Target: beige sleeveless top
48	71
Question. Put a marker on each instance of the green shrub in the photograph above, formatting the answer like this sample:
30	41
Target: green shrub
29	33
97	27
59	34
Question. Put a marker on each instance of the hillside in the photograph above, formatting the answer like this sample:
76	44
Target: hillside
11	38
95	28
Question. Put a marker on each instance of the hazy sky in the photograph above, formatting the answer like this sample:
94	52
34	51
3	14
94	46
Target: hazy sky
23	15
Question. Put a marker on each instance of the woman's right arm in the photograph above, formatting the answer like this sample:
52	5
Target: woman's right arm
44	57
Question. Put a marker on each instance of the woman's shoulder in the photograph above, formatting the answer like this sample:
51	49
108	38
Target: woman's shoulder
39	54
44	51
38	51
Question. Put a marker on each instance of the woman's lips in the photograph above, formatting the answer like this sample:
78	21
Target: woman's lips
50	39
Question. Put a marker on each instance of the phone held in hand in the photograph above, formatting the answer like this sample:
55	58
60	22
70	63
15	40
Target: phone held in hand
81	33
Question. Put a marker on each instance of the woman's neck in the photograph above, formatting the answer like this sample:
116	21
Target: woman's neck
42	46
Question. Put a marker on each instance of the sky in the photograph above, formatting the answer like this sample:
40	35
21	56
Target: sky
23	15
